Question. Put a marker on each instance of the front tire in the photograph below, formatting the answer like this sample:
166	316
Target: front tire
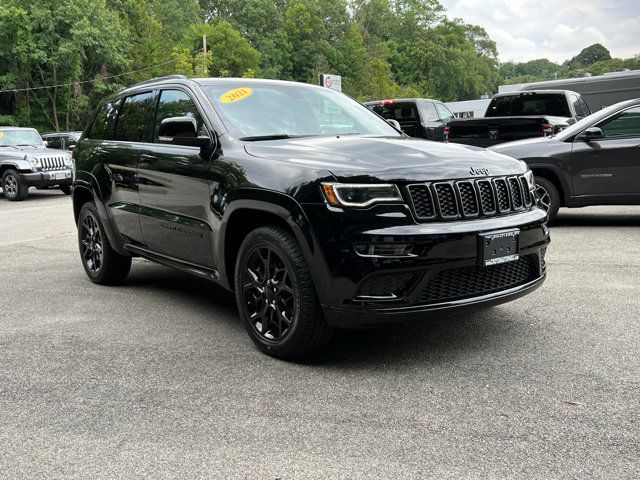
276	297
14	187
66	189
102	264
549	197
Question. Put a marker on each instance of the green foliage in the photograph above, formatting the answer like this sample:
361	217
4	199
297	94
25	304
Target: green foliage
590	55
64	55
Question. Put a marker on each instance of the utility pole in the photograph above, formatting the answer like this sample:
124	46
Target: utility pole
204	55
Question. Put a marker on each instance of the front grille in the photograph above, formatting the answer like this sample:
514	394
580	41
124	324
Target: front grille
469	198
466	282
52	163
388	285
446	200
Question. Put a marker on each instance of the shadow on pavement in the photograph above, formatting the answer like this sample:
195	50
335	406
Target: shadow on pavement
432	340
575	218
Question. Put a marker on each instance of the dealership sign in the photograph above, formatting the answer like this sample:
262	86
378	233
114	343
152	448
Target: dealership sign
334	82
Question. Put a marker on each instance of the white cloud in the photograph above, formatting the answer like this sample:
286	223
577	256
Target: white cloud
528	29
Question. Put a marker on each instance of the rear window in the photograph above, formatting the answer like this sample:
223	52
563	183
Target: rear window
402	112
553	104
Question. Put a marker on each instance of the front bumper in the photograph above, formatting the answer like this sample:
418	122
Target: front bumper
440	271
49	178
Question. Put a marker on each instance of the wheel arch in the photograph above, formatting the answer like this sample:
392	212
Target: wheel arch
556	177
243	215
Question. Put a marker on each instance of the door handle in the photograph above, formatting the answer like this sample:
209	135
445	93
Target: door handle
147	158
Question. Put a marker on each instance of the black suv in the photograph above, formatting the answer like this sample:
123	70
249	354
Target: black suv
312	209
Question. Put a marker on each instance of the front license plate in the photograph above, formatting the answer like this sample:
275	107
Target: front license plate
499	247
58	175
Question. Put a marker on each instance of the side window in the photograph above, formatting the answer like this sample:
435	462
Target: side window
135	118
586	111
175	103
102	128
429	112
626	124
444	112
576	105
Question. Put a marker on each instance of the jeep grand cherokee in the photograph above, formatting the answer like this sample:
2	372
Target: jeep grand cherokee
312	209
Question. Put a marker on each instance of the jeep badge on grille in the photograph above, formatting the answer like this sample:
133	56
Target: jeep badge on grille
479	171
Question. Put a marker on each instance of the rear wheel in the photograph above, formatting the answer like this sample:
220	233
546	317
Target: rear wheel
276	297
101	262
14	187
549	196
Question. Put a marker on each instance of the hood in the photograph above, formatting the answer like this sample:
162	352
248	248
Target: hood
30	151
387	158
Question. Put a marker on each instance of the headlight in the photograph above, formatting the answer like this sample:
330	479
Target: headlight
359	195
35	162
67	161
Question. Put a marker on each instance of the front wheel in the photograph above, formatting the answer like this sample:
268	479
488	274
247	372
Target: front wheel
15	189
548	196
276	297
66	189
101	262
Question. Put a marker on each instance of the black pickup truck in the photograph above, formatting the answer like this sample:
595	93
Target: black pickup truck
519	115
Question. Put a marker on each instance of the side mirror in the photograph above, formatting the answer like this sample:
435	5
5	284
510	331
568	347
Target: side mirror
395	124
181	131
46	144
591	133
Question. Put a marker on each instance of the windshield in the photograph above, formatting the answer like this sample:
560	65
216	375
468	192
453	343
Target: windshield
553	104
586	122
14	138
253	111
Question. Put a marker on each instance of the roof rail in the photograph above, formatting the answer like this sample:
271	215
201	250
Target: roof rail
158	79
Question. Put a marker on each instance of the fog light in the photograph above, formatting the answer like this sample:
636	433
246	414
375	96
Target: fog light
543	263
381	250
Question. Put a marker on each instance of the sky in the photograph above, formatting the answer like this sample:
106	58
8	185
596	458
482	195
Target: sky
553	29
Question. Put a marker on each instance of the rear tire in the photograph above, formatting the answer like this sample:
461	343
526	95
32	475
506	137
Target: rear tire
14	187
102	264
276	296
549	197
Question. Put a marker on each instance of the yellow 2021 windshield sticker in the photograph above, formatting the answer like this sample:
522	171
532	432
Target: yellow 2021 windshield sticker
236	95
1	134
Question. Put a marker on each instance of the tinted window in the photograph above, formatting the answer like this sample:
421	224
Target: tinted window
174	103
554	104
585	108
402	112
444	112
429	112
53	142
135	118
627	124
102	128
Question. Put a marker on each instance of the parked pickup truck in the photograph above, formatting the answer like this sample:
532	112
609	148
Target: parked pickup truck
519	115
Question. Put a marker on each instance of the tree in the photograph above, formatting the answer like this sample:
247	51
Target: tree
590	55
229	53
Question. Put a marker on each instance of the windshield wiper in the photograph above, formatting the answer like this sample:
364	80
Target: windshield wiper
275	136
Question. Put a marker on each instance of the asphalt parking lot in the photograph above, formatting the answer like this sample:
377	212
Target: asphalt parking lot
157	378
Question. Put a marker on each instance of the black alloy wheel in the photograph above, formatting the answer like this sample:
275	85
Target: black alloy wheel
267	290
276	296
91	243
102	264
